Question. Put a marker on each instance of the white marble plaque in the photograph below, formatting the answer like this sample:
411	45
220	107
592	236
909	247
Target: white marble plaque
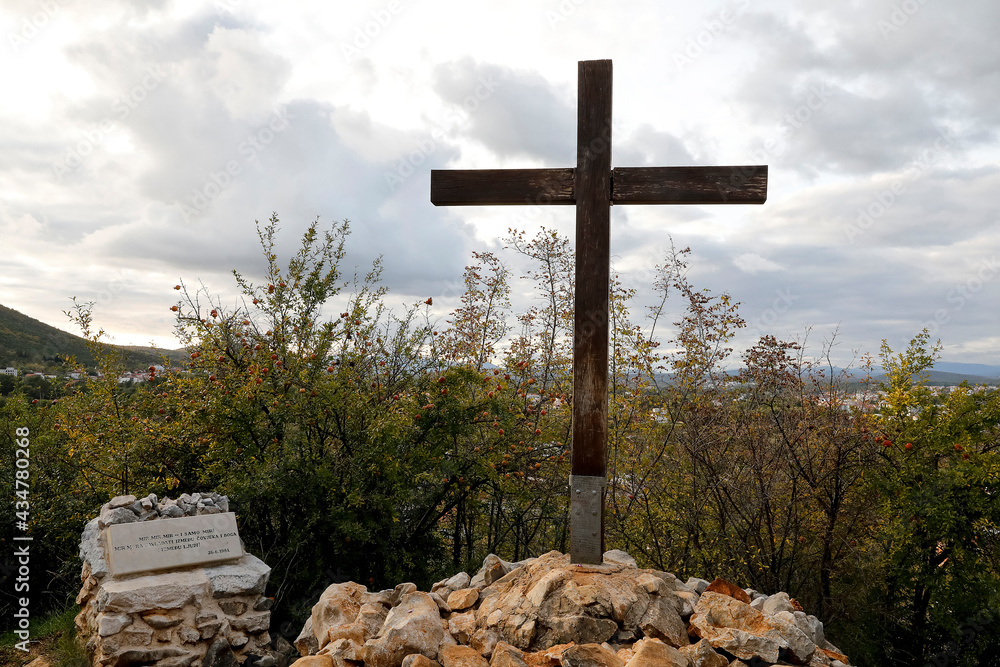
167	544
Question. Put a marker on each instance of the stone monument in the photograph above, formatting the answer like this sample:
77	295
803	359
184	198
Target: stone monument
167	583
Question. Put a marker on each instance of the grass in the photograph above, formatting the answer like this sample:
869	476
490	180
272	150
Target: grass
54	637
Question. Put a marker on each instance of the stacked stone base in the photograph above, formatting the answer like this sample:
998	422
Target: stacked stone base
205	616
546	612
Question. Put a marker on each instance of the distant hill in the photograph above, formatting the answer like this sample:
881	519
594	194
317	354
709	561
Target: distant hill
26	343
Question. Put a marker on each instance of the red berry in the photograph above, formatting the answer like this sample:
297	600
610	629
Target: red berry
908	445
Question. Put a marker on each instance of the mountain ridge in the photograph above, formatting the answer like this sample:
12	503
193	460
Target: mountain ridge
30	344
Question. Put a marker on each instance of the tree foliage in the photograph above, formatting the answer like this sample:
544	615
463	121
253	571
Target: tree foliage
381	446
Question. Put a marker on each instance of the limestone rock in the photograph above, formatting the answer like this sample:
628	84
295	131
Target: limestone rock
400	590
589	655
777	603
209	629
745	632
458	582
485	640
121	501
220	654
152	592
505	655
110	517
662	621
462	626
161	621
811	626
494	569
463	599
654	653
92	551
581	629
233	607
112	624
418	660
314	661
441	603
247	576
252	622
188	635
372	616
703	655
732	590
412	626
338	605
697	585
343	649
307	643
687	600
652	584
619	557
461	656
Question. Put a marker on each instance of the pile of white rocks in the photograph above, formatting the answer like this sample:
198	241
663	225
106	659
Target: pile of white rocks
545	612
193	617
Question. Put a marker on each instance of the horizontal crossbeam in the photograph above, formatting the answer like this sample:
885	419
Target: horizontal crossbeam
476	187
689	185
629	185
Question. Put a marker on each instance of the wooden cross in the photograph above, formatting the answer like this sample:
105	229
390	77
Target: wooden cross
593	187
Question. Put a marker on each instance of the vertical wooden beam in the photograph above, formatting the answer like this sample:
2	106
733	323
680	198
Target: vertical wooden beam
590	348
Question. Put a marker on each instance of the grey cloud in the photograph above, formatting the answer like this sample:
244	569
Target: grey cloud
520	115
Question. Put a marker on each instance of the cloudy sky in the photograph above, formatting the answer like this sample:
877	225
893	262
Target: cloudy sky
139	141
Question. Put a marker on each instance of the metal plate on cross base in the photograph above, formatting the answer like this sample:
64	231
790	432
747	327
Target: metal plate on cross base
586	506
